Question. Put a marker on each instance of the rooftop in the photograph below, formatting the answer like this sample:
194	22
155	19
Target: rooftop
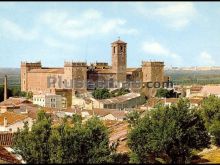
8	157
120	99
14	101
119	42
11	117
215	89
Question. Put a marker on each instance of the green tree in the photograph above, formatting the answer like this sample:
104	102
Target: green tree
210	111
215	131
77	118
162	92
101	93
16	91
169	134
132	118
33	145
120	91
80	143
97	140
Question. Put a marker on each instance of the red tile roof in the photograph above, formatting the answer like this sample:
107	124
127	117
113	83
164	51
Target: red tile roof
8	157
14	101
11	117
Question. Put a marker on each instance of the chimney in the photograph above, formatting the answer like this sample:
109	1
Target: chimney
5	121
5	88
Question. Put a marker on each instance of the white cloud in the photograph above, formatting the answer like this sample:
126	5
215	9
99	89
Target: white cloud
155	49
206	58
88	22
174	14
13	31
53	43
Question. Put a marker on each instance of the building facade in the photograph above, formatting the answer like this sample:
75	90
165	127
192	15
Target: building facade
50	101
82	77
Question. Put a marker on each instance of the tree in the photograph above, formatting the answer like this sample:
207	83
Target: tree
33	145
162	92
168	133
16	91
132	118
119	92
210	111
101	93
215	132
76	118
80	143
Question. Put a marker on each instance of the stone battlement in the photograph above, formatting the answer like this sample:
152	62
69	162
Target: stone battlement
152	63
31	64
72	64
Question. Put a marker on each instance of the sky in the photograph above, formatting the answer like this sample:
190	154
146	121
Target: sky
178	33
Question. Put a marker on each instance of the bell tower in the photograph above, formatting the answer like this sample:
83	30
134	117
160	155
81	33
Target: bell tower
119	61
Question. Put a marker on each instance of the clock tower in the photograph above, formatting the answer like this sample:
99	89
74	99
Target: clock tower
119	61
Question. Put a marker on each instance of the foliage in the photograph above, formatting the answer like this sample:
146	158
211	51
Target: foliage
119	92
210	111
77	118
101	93
14	91
33	145
120	158
168	133
215	132
133	118
82	143
162	92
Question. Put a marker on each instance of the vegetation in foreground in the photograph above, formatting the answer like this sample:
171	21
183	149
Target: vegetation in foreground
164	135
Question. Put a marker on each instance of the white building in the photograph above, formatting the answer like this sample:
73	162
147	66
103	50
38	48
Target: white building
10	121
50	100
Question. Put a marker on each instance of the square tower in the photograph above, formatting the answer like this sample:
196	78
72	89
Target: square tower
119	60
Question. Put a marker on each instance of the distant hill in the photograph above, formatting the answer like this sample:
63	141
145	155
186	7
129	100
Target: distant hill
194	76
13	75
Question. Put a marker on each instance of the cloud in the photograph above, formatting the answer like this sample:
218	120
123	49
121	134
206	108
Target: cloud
206	58
13	31
83	24
54	43
176	15
155	49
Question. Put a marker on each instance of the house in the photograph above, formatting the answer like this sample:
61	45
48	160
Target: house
11	121
50	100
152	102
103	114
203	91
12	104
211	90
129	100
82	102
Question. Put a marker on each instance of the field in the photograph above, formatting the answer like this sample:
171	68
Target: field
183	77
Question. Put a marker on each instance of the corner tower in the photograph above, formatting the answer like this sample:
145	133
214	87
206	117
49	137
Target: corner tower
119	60
25	68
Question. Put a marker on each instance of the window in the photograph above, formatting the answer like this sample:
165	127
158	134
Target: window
114	49
121	48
